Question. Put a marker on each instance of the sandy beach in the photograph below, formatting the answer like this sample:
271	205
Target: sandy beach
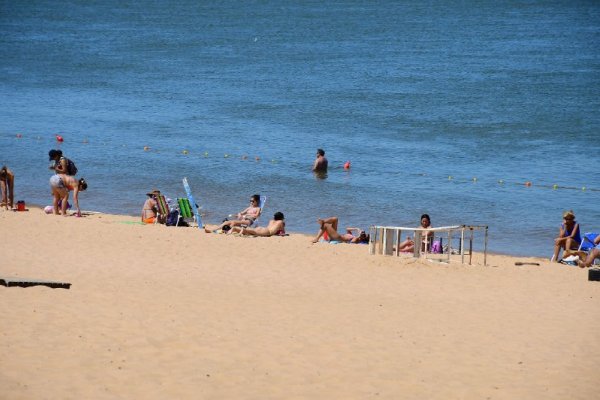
159	312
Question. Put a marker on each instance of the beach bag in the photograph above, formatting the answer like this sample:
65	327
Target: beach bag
172	218
71	168
436	246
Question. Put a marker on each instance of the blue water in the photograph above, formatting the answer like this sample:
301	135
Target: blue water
410	93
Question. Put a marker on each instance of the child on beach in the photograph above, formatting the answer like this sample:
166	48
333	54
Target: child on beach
569	237
7	186
61	185
276	227
329	226
408	245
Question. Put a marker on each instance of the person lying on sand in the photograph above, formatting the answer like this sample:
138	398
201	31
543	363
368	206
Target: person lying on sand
276	227
595	253
329	226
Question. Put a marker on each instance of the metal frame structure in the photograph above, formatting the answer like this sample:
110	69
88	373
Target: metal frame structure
386	240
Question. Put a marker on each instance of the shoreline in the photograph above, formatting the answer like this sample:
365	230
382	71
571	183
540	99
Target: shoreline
181	313
307	234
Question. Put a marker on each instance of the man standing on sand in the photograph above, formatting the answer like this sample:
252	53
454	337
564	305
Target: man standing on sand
7	187
320	164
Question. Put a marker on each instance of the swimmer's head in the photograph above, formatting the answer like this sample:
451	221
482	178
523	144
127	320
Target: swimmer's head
278	216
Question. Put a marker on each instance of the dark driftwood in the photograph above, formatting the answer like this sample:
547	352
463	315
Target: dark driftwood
25	282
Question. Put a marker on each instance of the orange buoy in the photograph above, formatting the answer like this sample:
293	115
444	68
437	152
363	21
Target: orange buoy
347	165
59	138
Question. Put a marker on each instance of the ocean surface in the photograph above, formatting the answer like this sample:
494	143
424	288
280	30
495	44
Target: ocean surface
446	108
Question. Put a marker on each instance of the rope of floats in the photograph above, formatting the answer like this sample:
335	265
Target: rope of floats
346	166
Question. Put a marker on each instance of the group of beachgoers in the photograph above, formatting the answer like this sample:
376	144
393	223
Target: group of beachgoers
63	181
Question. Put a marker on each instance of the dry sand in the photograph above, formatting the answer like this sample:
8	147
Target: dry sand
157	312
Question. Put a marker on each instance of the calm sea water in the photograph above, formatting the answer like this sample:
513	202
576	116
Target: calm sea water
411	93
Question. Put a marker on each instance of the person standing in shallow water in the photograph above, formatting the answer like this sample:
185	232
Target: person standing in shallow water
320	165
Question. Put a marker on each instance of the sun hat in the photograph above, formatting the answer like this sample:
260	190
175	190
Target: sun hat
153	192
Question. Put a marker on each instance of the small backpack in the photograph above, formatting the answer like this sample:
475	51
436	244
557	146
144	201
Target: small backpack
71	168
172	218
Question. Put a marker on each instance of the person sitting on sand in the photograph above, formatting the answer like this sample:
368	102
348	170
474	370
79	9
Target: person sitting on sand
61	184
408	245
329	226
150	208
245	217
276	227
569	237
594	253
7	187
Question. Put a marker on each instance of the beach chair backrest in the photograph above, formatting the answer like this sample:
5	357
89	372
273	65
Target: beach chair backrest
587	241
261	205
184	208
163	207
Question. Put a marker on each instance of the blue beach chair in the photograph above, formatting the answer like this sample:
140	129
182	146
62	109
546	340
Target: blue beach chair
587	242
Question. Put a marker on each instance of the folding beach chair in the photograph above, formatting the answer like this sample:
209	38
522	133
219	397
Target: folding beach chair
587	242
261	205
191	205
163	209
185	210
586	246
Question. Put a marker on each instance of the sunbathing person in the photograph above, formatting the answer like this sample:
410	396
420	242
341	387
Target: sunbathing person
329	226
408	245
276	227
61	185
150	208
594	253
245	217
568	236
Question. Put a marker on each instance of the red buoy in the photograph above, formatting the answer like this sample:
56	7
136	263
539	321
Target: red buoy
59	138
347	165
